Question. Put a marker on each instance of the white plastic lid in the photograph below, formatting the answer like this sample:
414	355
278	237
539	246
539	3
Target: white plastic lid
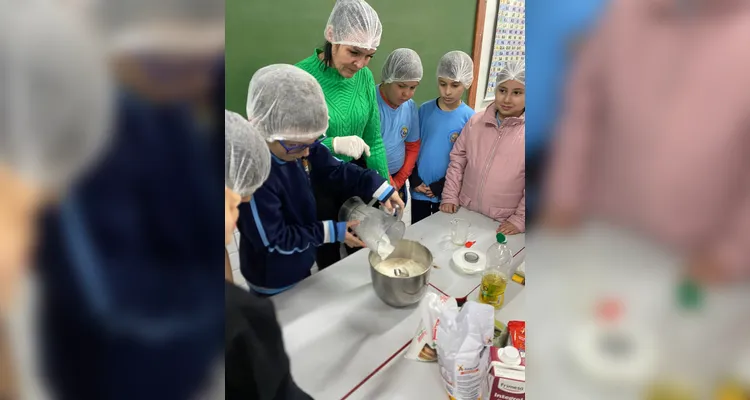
509	355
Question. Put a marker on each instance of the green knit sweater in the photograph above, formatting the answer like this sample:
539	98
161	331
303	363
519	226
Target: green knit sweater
352	109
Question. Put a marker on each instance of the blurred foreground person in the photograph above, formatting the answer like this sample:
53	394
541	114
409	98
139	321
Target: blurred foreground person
641	145
54	117
257	366
557	32
132	295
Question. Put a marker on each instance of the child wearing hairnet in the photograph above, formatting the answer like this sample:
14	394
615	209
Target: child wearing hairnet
399	118
440	121
256	364
279	228
487	166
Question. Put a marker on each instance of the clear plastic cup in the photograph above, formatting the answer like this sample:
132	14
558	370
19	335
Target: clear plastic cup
460	231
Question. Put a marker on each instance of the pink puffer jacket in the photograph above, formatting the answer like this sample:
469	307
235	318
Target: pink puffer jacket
672	164
487	172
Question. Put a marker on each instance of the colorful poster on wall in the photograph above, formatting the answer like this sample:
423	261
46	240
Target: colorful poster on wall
510	39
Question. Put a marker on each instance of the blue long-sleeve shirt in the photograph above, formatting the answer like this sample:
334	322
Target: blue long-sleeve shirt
397	126
279	228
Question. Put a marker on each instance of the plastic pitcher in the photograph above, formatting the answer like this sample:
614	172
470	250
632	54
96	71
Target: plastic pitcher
377	229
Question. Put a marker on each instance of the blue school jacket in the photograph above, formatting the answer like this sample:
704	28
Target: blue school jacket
132	295
279	227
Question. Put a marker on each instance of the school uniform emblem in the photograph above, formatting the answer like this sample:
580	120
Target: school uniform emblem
404	132
454	137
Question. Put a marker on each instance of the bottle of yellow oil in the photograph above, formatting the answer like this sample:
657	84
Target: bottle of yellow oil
498	272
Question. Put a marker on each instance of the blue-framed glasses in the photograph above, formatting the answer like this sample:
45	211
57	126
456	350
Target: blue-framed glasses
299	148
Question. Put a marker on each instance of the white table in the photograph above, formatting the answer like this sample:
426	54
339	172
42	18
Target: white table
576	270
337	331
434	233
408	379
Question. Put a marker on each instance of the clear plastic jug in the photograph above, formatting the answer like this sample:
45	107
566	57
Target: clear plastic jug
377	229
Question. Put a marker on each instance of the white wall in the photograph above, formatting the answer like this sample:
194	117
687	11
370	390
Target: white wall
488	36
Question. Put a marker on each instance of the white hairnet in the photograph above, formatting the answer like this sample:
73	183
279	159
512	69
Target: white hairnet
247	161
403	65
354	23
456	66
55	103
512	71
175	26
286	103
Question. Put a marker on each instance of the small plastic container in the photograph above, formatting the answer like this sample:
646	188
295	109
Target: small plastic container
460	231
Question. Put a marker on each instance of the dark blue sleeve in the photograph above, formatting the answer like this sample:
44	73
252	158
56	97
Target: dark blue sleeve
347	178
276	235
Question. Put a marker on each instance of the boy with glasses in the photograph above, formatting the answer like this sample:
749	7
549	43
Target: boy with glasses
279	227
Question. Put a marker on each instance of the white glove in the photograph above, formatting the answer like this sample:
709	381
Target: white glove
352	146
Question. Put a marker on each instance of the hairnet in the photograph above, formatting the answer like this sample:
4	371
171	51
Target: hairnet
176	26
247	161
55	103
403	65
286	103
456	66
512	71
354	23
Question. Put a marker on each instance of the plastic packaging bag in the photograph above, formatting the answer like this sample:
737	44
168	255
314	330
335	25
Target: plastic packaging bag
423	347
463	345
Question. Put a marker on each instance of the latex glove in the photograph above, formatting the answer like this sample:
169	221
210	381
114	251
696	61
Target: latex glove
352	146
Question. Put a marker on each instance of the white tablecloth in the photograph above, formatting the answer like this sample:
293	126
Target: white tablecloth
572	273
337	331
408	379
434	233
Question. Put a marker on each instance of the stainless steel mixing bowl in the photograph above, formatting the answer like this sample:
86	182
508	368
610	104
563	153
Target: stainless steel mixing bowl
402	291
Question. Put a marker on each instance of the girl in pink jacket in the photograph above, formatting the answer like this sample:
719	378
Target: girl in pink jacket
487	171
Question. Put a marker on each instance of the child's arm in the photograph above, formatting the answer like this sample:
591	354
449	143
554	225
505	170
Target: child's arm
413	142
455	174
412	152
347	178
377	159
284	238
518	219
414	179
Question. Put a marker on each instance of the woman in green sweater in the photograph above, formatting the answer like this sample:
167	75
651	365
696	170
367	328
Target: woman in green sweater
352	36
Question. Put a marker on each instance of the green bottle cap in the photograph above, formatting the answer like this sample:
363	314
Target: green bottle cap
500	238
690	295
